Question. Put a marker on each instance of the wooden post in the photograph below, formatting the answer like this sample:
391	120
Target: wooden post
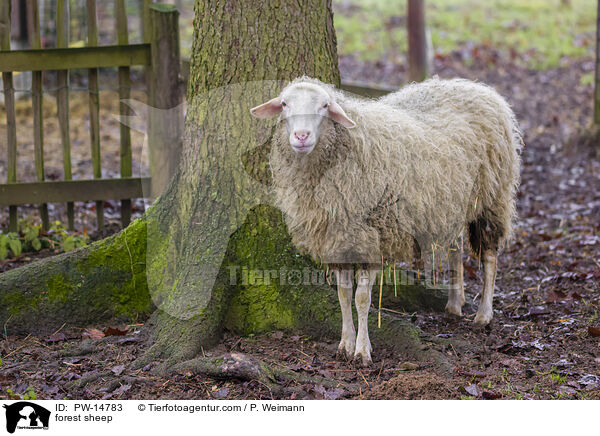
37	101
94	107
124	94
417	41
22	20
145	19
9	103
597	78
13	12
164	128
145	23
62	99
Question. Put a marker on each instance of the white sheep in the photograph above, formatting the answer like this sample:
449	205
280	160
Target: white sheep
366	182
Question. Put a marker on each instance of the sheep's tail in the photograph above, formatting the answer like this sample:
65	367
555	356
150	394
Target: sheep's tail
494	225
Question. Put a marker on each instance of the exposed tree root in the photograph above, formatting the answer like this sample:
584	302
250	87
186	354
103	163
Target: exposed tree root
90	378
172	341
243	367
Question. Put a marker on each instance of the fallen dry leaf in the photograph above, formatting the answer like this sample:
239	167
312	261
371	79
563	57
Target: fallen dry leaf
594	331
56	337
118	370
109	331
490	395
93	334
409	366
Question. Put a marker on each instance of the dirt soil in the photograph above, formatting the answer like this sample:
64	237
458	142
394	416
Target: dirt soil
543	343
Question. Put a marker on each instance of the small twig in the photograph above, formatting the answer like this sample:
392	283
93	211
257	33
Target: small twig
390	310
307	355
395	288
236	344
381	369
5	334
453	349
15	350
61	327
380	293
363	377
130	257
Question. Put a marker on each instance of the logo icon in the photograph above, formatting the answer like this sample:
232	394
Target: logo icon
26	415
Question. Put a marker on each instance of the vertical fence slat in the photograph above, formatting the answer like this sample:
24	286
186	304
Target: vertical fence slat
124	94
164	132
37	102
62	99
94	99
9	103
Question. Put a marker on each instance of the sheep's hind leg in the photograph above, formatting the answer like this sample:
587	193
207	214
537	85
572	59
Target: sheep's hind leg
347	343
485	312
365	281
456	293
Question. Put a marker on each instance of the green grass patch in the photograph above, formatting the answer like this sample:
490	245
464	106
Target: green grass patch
544	31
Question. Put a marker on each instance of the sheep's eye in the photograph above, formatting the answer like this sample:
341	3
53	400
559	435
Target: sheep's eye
283	104
326	105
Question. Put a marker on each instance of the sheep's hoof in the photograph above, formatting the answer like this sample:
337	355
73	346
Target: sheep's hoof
345	350
454	308
362	356
343	355
363	360
483	318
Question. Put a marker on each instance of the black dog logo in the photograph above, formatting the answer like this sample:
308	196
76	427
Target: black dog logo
27	415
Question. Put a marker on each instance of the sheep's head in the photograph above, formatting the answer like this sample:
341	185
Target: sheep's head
304	106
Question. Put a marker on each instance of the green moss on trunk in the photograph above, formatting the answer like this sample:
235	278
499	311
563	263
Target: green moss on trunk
99	281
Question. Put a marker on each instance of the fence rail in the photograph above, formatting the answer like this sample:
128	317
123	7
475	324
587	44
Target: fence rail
71	58
74	190
155	54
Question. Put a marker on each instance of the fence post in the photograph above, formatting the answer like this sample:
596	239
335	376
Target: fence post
94	99
19	21
417	41
165	117
9	103
62	99
124	94
37	102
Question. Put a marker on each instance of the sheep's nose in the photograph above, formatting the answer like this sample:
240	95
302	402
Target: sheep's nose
302	135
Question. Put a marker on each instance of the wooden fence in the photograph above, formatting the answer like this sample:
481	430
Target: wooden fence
157	53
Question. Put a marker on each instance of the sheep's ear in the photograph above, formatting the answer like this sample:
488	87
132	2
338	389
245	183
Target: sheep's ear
337	113
268	109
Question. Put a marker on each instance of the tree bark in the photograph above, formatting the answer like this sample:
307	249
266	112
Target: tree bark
210	253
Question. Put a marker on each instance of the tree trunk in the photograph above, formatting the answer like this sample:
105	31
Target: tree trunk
210	253
597	73
417	41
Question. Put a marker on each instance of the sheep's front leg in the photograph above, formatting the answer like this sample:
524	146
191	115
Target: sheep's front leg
364	285
348	341
456	293
485	311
